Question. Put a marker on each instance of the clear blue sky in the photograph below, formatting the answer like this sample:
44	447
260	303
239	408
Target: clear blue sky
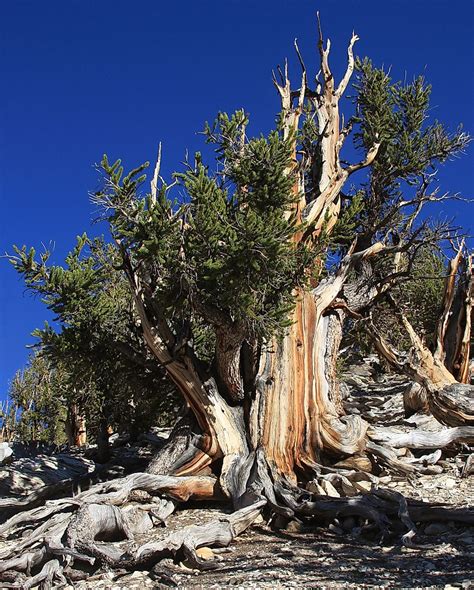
83	77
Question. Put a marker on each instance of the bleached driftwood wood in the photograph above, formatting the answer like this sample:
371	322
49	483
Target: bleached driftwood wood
422	439
218	533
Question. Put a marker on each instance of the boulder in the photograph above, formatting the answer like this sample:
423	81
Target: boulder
5	452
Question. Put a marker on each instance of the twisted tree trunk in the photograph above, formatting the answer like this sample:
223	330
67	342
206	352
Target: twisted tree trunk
443	375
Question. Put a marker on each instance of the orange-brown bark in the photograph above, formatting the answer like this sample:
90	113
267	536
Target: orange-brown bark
76	427
457	335
302	408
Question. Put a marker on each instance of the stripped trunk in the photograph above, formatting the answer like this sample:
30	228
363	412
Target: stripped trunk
291	416
457	336
297	410
75	427
443	374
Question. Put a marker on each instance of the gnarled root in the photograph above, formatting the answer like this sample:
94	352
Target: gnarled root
219	533
101	526
71	529
453	405
423	439
415	399
385	508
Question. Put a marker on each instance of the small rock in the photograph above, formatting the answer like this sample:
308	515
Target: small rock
348	489
313	486
295	527
449	483
139	574
358	462
5	452
329	489
363	486
205	553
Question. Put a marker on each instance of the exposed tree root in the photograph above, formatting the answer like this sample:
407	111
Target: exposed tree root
219	533
181	449
415	399
422	439
99	528
51	570
381	506
454	405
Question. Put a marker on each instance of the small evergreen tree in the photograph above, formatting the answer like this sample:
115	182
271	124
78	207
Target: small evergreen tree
38	393
110	377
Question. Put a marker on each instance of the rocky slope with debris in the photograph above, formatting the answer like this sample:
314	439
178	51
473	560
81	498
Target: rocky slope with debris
344	553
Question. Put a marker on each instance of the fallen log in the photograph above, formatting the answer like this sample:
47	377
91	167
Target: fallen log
423	439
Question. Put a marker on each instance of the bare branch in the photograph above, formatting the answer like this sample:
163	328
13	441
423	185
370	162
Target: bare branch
302	92
300	58
369	158
156	175
324	54
350	66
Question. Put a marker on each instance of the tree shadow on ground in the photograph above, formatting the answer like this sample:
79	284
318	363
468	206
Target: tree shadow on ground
321	559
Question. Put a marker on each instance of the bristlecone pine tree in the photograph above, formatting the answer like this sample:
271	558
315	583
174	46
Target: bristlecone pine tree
264	259
105	376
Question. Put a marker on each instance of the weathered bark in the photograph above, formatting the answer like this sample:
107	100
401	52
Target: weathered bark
229	340
415	399
217	534
297	410
457	334
186	441
453	405
420	439
75	427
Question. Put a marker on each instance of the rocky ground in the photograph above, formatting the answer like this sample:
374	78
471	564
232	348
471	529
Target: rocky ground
318	558
347	554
